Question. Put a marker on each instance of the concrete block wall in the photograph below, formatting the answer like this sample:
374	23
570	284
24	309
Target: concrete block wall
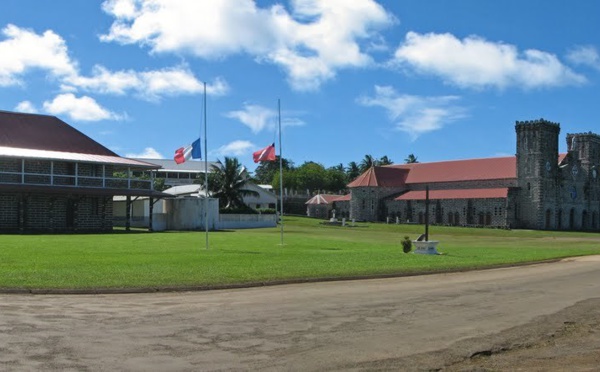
47	212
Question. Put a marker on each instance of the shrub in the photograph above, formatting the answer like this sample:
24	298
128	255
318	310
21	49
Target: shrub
239	210
406	244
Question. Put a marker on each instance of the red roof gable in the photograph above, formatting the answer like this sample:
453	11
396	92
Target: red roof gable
382	177
456	194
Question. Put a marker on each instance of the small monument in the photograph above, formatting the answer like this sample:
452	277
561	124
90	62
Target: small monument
423	245
333	219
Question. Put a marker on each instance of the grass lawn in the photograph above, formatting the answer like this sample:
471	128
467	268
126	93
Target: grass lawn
311	250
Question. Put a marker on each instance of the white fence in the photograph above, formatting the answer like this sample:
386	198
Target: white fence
246	221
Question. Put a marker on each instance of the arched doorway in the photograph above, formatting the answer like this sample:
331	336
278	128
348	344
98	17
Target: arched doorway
559	219
572	219
548	219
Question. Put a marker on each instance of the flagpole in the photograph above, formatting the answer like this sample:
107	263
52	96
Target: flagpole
280	171
205	172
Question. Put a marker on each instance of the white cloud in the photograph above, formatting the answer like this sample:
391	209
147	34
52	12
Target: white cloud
311	43
477	63
415	115
291	122
585	55
26	106
259	118
255	117
148	153
235	148
148	84
22	50
81	109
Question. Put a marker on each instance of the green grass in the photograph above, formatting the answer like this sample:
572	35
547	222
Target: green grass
311	250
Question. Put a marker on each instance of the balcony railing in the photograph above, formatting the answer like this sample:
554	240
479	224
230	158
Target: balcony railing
61	180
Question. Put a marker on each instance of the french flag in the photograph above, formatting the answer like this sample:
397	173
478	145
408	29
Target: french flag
188	152
266	154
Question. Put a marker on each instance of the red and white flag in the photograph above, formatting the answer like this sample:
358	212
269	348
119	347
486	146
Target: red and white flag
266	154
186	152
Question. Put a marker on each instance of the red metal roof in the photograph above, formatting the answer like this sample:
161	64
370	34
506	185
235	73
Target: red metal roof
382	177
43	132
456	194
346	197
324	199
47	137
461	170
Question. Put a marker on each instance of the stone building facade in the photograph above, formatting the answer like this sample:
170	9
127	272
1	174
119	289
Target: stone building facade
538	188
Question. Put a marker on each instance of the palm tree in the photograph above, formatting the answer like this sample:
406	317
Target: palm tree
411	158
384	160
368	162
353	170
227	183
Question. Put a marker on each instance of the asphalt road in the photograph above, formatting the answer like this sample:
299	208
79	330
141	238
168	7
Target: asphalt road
349	325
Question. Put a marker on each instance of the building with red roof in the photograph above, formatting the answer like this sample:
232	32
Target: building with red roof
537	188
55	178
324	205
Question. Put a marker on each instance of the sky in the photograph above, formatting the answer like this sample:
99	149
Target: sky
442	80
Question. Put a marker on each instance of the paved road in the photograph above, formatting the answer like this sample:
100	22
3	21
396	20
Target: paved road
300	327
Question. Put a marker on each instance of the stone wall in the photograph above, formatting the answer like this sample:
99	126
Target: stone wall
368	203
456	212
47	212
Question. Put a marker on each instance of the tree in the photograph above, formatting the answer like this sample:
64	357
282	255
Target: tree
368	162
337	178
312	176
227	181
411	158
384	160
352	171
289	180
266	170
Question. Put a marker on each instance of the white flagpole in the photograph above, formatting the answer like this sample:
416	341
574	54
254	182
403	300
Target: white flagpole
280	171
205	172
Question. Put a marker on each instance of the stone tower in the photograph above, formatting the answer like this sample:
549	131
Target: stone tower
581	179
537	174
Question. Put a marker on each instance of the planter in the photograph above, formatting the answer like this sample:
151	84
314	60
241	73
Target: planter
426	247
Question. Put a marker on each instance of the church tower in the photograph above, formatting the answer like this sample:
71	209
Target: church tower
537	174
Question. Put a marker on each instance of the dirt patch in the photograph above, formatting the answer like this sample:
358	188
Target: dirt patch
566	341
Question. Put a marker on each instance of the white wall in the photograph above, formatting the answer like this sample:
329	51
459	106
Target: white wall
187	213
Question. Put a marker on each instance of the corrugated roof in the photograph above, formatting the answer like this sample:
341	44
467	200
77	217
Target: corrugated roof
347	197
43	132
381	177
70	156
456	194
169	165
461	170
323	199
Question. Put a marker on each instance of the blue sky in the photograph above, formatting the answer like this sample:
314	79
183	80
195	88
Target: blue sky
440	79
